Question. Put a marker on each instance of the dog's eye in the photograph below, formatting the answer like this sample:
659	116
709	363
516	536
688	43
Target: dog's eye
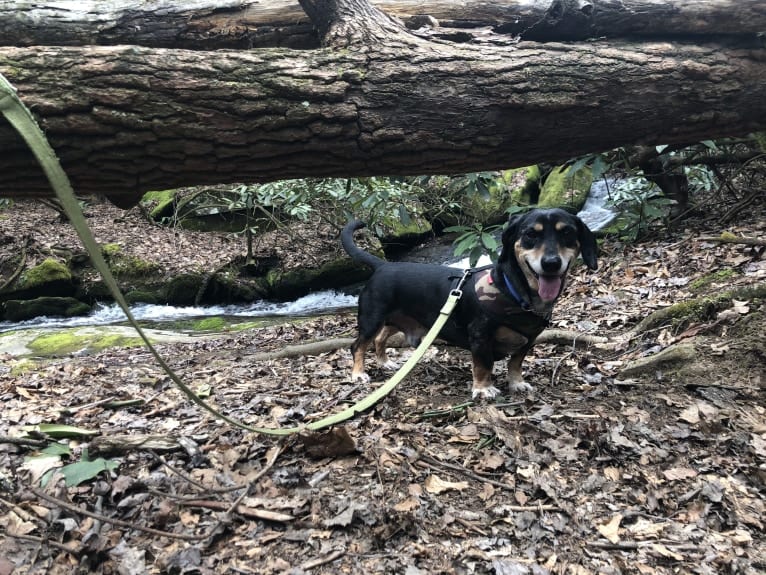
568	236
530	235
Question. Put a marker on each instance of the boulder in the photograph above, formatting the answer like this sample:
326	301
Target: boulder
20	310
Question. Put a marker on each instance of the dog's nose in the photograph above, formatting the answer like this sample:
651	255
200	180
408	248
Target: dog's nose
551	264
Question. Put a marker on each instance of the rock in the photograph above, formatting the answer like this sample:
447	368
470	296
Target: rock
49	278
20	310
565	189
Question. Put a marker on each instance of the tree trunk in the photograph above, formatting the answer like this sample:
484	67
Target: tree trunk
125	120
216	24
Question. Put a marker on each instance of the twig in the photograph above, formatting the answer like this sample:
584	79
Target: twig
41	541
25	441
249	512
19	268
118	522
319	561
733	240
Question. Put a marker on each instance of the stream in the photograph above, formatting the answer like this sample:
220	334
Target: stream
594	214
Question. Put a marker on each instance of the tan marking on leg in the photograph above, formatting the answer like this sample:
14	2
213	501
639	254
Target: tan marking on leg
380	347
358	350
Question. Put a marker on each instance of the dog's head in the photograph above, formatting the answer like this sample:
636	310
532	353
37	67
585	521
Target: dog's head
541	245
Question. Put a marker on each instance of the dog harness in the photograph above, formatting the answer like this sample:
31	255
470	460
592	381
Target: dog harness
515	314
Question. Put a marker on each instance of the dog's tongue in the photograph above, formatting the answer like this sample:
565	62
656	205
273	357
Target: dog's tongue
549	287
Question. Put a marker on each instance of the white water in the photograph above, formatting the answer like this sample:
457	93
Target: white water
102	314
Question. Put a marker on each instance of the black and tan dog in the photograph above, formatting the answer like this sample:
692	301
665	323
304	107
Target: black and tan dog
503	307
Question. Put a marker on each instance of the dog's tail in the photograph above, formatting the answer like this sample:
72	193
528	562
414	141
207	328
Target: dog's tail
357	253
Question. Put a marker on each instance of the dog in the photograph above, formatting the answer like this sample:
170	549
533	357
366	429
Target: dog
503	307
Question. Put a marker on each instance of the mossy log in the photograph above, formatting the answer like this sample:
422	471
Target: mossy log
698	309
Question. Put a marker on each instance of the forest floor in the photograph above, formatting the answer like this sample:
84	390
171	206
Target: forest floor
592	472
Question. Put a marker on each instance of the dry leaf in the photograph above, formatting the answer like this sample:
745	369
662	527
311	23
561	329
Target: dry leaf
663	551
434	484
407	504
678	473
611	529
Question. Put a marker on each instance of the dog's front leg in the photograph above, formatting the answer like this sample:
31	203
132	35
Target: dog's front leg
515	380
482	376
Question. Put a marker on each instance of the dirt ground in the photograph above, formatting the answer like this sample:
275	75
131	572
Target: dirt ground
593	472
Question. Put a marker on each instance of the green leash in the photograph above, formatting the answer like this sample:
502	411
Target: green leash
24	123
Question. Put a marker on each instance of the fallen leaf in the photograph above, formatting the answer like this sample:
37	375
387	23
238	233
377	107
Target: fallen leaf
407	504
434	484
663	551
611	529
678	473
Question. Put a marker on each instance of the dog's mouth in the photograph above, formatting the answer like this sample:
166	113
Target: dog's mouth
548	286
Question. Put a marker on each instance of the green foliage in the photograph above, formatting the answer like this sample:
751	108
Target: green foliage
641	205
475	241
74	473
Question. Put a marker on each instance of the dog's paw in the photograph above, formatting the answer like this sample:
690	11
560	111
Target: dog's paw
389	365
520	386
360	377
485	392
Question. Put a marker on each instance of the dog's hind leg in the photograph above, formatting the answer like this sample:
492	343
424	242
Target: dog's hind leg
358	349
380	347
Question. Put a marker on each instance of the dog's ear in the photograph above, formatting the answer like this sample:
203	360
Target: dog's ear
588	245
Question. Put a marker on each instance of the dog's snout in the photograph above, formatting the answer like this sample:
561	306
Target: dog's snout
551	263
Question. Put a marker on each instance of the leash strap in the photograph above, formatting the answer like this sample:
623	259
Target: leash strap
24	123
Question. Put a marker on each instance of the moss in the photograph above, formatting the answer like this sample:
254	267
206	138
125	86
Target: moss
48	271
526	180
142	296
299	282
512	188
23	366
164	203
65	342
706	280
182	290
132	267
210	324
110	250
564	188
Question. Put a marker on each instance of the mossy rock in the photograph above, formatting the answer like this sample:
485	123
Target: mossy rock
564	188
511	188
164	204
226	289
284	286
183	289
131	267
143	296
49	278
209	324
20	310
66	342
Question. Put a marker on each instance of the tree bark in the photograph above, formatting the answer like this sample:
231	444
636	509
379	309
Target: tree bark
125	120
217	24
